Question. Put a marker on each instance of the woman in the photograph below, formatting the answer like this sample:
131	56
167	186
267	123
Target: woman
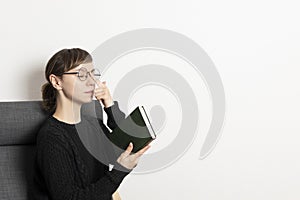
64	168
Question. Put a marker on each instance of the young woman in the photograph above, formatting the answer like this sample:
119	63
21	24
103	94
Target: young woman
64	168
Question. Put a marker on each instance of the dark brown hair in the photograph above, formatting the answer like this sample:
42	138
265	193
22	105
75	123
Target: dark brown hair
60	62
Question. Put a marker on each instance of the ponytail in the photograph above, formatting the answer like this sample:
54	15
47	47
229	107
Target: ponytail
49	97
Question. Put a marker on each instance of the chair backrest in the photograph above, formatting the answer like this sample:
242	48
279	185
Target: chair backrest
19	124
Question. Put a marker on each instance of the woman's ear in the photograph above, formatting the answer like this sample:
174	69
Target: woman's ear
55	81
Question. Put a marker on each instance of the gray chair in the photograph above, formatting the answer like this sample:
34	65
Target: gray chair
19	123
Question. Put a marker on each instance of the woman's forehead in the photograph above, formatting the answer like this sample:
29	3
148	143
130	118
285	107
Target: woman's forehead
88	66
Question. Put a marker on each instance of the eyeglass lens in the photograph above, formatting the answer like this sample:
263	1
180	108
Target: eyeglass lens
83	73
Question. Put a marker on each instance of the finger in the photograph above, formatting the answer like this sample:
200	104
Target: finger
98	92
104	84
128	150
99	83
142	151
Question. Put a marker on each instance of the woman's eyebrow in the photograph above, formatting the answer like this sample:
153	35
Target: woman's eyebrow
90	70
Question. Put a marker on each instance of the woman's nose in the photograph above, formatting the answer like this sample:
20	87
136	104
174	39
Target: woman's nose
90	79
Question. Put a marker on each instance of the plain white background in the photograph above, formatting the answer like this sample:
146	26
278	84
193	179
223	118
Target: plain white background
255	46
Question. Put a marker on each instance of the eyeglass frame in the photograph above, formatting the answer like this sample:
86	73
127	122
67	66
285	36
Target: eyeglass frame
87	73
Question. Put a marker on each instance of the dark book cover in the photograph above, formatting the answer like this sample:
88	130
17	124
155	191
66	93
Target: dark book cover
135	128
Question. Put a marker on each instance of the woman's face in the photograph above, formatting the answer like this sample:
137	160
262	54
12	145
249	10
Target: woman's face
76	90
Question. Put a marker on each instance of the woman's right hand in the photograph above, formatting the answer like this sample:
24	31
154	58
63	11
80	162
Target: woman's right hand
130	161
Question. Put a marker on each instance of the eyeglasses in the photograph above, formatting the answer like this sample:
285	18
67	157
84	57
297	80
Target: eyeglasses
83	73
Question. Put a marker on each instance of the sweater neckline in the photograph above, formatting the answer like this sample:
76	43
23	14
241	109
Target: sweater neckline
64	123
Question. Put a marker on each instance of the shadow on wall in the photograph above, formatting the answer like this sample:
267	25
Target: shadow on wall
35	80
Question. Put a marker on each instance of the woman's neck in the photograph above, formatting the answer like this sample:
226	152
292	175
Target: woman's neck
67	111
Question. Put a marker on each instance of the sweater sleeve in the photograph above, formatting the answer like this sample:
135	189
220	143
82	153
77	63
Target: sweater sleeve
59	169
114	115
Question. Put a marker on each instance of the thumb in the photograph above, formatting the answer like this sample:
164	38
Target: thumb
128	150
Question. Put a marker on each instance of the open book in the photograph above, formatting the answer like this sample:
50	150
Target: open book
135	128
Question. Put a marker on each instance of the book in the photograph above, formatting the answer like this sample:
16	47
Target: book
135	128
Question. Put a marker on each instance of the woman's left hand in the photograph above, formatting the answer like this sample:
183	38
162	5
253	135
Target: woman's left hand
102	94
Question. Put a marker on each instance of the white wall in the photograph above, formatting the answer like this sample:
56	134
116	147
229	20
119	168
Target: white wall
255	46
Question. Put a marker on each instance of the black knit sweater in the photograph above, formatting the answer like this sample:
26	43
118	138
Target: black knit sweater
65	170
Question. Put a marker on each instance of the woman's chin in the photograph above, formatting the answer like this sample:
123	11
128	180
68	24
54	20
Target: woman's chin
88	100
85	100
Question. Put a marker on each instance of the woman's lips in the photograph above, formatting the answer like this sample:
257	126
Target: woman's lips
89	92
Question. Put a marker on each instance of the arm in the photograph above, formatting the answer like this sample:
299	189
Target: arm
59	168
111	107
114	115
